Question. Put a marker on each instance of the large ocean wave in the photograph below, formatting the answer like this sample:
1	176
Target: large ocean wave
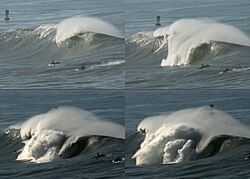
188	135
77	35
62	132
187	41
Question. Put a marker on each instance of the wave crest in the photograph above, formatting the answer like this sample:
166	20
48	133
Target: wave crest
77	25
187	34
63	132
186	135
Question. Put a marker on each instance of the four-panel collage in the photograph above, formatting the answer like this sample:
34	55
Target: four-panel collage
124	89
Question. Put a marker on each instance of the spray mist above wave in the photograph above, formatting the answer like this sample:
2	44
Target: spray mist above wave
62	132
183	135
77	25
187	34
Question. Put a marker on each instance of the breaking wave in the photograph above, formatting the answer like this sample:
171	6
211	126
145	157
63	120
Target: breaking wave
77	25
188	135
63	132
186	41
185	35
88	32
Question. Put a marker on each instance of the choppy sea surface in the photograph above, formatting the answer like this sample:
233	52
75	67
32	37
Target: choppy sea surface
213	33
187	133
58	133
84	38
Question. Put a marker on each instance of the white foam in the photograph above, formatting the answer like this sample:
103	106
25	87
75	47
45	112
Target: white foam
181	135
76	25
187	34
44	134
45	30
161	32
42	147
106	64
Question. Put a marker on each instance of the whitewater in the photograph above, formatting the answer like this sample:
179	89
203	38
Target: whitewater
181	136
171	53
187	133
187	34
59	133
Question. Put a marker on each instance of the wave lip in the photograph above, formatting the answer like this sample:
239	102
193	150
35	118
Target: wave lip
63	132
77	25
187	135
187	34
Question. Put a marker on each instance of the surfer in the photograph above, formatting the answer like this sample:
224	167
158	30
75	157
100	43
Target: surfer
224	71
118	160
81	68
143	131
53	63
211	109
99	155
248	156
203	66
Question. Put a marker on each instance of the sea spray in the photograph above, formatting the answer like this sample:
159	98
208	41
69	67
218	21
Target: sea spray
44	135
77	25
182	135
187	34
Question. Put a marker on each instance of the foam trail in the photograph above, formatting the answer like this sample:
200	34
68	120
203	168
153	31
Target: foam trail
76	25
187	34
182	135
45	134
107	64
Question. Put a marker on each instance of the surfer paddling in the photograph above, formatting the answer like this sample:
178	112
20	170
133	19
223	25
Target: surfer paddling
80	68
53	63
118	160
248	156
99	156
203	66
224	71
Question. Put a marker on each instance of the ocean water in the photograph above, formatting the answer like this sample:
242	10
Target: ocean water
86	82
176	134
85	37
58	133
213	33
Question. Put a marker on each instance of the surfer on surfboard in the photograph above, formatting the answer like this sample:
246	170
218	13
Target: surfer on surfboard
99	156
203	66
248	156
53	63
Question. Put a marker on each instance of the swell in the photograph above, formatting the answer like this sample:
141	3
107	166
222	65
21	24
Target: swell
217	145
63	132
29	43
221	144
187	135
146	49
70	146
185	44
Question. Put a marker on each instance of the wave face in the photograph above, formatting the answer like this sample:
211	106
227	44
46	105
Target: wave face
83	41
186	35
188	135
63	132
